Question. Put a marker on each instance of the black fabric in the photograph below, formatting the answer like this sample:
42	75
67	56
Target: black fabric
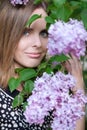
13	119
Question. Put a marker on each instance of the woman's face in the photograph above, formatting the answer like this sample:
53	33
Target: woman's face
32	46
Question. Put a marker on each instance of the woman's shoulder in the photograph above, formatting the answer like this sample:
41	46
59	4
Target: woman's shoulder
10	117
7	93
4	94
5	99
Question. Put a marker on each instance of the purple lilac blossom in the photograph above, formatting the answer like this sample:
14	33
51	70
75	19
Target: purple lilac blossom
19	2
66	38
51	93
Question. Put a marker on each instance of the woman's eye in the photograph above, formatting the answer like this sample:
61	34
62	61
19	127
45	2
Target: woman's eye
27	32
44	33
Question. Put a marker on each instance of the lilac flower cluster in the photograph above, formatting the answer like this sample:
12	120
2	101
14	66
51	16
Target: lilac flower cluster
51	93
67	38
19	2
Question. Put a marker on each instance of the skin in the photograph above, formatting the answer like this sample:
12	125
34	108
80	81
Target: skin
32	48
74	66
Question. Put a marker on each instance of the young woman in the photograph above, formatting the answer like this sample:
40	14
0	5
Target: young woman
24	47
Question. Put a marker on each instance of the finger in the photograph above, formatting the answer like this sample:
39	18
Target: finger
74	61
67	66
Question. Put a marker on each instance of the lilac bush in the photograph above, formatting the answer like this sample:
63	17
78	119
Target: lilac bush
51	93
67	38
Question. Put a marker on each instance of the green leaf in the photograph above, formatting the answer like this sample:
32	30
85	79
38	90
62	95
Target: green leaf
49	69
18	100
37	1
17	70
13	83
32	19
42	66
84	0
59	2
57	67
58	58
75	3
24	105
85	77
84	17
28	87
27	73
64	12
49	128
49	20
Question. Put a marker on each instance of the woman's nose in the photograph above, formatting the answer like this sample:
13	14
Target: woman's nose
37	41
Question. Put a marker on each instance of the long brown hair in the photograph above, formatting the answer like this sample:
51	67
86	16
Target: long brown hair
12	23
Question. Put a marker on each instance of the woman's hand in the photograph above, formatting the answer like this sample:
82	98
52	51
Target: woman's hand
74	66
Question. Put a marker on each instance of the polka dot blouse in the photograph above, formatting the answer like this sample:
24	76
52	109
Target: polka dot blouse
13	119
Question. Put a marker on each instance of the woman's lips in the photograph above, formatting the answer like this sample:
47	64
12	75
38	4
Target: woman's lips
33	55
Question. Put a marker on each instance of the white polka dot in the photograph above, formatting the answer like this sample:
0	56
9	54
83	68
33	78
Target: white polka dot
10	118
9	109
3	128
3	96
4	106
2	119
1	93
20	124
15	125
9	125
7	113
2	111
13	122
0	105
6	124
9	99
4	115
15	117
12	113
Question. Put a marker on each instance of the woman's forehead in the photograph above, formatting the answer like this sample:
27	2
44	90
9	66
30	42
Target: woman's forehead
40	21
39	11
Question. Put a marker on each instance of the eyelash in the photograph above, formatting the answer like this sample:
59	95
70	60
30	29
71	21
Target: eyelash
27	32
43	33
